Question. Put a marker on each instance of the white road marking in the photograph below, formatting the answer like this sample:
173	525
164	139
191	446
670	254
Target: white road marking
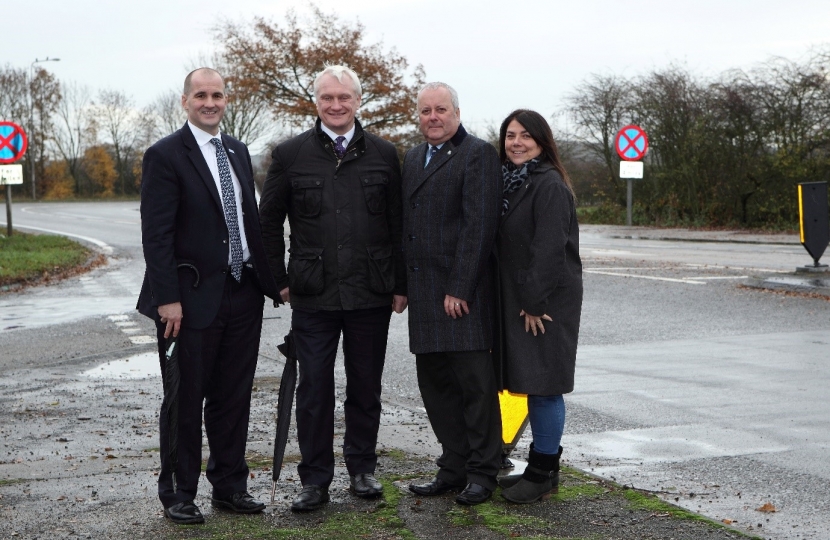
106	248
673	280
720	277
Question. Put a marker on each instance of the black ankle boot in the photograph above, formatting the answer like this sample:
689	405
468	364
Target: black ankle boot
539	480
511	480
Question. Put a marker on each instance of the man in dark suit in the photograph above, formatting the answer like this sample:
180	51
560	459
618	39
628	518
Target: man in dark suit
340	188
205	279
452	197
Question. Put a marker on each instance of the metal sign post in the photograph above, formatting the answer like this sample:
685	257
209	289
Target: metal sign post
13	144
631	144
9	175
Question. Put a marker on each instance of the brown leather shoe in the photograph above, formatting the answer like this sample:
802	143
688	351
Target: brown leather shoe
241	503
435	487
184	513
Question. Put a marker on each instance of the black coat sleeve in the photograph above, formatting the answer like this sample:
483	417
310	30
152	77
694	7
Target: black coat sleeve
160	194
394	215
273	208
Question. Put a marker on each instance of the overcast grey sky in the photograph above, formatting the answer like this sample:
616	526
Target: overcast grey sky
498	55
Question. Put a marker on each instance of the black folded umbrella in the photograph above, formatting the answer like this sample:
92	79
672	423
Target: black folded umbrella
285	399
172	376
170	381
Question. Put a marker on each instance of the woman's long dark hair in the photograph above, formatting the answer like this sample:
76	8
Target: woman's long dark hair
540	131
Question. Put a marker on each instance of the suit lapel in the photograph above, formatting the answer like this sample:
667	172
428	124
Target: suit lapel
421	173
414	169
198	160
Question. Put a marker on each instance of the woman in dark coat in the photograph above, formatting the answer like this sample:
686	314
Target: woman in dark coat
540	279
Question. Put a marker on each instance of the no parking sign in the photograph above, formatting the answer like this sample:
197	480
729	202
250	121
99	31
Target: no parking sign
631	143
13	142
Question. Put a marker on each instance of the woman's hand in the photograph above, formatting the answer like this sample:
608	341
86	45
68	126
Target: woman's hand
533	323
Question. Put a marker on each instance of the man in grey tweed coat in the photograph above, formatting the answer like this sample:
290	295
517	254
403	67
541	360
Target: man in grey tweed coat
452	193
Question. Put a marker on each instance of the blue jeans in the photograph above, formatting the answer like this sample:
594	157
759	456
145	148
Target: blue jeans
547	422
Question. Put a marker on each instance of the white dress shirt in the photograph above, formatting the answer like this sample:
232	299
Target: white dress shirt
348	135
209	151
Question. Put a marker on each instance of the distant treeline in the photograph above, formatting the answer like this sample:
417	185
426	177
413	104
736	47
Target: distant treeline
727	151
724	151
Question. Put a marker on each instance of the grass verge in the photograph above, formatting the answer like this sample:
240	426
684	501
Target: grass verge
31	257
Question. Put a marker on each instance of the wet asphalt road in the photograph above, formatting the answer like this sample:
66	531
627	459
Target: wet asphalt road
711	394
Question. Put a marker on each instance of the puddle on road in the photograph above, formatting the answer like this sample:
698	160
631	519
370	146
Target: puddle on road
140	366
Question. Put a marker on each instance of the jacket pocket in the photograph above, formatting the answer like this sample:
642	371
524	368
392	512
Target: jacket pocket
307	196
305	271
374	191
381	269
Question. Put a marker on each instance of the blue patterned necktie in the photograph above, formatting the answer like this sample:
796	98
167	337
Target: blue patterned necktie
339	148
229	204
432	151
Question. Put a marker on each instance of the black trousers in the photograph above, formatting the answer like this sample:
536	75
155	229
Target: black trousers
217	367
459	393
317	334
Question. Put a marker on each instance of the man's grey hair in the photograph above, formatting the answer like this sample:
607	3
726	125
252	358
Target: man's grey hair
338	71
189	78
436	86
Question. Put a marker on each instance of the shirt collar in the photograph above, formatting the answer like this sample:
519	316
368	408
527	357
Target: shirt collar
202	137
348	135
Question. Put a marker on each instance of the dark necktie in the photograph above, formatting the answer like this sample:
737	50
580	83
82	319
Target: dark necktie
432	151
339	149
229	204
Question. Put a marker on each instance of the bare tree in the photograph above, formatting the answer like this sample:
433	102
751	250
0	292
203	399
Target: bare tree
598	108
165	115
76	129
13	94
45	91
121	125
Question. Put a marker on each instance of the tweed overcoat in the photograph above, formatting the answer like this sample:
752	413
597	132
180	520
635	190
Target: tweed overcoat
451	213
540	272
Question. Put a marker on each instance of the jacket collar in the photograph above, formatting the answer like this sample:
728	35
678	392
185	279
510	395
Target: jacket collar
356	146
526	188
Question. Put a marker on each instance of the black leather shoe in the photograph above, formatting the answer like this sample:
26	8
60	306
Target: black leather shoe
436	487
241	503
310	498
184	513
365	485
473	494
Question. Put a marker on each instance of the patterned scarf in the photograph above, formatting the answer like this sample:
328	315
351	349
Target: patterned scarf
514	176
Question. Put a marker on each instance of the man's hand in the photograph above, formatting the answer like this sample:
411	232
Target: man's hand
398	303
532	323
455	307
285	295
171	314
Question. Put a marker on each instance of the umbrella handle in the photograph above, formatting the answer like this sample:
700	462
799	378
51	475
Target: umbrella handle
195	271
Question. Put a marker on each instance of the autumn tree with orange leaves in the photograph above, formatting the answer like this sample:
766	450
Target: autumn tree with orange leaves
279	63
